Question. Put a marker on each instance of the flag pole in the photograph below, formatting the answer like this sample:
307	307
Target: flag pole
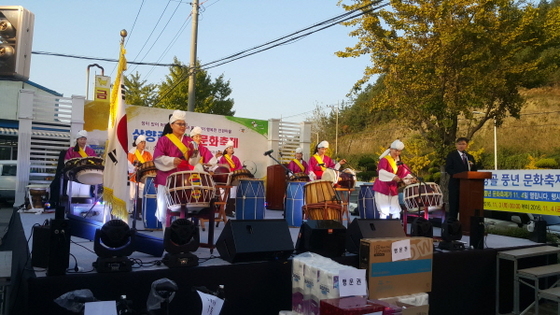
115	175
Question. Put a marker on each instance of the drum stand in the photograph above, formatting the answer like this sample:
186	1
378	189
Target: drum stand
417	214
64	180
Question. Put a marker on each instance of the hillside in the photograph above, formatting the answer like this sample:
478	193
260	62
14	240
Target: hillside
535	133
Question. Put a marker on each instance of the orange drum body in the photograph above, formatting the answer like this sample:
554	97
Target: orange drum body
421	195
87	170
319	191
239	174
321	201
221	175
194	190
147	169
346	179
324	212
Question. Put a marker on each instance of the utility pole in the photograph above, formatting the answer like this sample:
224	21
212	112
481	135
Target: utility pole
192	66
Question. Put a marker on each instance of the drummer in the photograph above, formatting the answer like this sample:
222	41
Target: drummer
204	155
171	155
234	164
319	162
298	165
137	155
80	149
228	158
391	172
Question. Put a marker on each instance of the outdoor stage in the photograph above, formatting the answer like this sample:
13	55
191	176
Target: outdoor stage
464	282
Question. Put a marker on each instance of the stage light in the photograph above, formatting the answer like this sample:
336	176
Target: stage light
451	233
112	244
421	227
181	238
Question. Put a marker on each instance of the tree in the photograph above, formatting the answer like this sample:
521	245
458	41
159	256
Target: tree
138	92
440	60
212	97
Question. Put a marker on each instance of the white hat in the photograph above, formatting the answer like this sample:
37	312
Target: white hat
178	115
323	144
397	145
196	131
140	138
229	144
299	150
81	134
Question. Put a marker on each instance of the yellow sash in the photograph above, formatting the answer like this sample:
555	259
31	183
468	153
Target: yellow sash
177	142
230	161
299	164
393	163
320	161
139	156
82	152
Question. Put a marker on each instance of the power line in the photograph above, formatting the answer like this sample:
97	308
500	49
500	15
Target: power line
46	53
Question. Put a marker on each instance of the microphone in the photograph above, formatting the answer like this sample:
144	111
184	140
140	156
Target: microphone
268	152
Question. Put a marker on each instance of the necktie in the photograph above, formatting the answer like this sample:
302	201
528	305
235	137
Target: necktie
464	158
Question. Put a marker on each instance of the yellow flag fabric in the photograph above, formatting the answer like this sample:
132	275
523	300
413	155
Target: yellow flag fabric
115	176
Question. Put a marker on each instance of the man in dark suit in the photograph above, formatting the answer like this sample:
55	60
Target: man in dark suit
457	161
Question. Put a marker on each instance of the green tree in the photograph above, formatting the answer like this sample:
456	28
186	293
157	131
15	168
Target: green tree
212	96
138	92
440	60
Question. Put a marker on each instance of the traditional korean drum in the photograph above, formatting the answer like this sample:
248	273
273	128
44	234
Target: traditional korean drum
294	203
147	169
191	189
149	205
421	195
366	202
249	201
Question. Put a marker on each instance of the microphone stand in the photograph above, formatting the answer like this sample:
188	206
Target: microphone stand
284	166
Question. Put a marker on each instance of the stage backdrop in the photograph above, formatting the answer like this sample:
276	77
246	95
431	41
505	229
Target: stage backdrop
249	135
527	191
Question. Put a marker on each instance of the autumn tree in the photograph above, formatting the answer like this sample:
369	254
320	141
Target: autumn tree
212	96
441	60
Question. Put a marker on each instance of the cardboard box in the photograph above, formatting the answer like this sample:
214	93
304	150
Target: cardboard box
397	266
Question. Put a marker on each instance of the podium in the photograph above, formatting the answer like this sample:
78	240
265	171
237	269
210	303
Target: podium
471	196
275	187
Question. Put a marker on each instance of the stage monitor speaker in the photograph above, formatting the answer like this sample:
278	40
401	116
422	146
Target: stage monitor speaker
324	237
255	240
476	235
51	247
371	228
421	227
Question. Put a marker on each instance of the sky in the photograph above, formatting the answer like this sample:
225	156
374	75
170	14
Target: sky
287	81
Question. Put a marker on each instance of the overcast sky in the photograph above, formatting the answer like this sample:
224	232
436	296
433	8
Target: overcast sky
284	82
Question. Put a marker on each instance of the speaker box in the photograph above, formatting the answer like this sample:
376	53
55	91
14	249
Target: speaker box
324	237
254	240
371	228
476	235
539	232
421	227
